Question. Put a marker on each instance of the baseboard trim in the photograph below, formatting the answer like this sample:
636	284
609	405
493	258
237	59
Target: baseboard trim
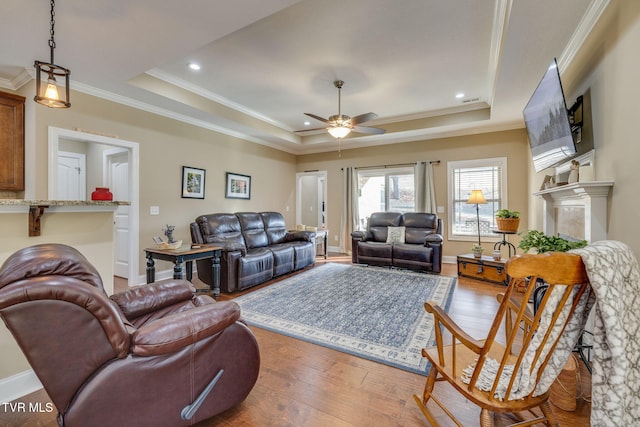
18	385
449	259
160	275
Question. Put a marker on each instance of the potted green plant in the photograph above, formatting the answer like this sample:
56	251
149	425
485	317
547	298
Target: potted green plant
507	220
477	251
539	242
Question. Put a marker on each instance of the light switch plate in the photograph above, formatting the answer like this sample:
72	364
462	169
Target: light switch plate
154	210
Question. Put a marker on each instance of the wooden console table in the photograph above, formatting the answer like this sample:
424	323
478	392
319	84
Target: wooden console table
485	268
185	254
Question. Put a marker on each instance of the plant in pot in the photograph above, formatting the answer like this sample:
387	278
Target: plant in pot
534	241
169	233
539	242
507	220
477	251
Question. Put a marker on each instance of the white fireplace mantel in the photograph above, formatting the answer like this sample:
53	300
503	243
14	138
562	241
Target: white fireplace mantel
590	197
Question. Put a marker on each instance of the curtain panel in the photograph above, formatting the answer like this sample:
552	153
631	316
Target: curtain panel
425	188
349	214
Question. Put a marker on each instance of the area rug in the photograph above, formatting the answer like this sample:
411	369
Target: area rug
371	312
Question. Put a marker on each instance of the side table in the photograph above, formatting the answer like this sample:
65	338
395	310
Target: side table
504	241
322	235
185	254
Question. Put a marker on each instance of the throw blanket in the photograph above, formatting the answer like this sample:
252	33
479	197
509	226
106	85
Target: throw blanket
615	278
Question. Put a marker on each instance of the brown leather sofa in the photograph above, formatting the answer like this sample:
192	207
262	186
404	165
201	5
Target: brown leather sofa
255	248
419	248
155	355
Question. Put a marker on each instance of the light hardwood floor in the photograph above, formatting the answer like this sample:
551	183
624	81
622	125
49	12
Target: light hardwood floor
302	384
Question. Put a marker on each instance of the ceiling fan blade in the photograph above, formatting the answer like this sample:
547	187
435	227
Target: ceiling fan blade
309	130
362	118
368	129
323	120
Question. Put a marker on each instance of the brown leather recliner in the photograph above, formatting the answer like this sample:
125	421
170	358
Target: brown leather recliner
153	355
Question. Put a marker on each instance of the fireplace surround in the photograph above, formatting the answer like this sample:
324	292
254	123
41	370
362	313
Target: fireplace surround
577	211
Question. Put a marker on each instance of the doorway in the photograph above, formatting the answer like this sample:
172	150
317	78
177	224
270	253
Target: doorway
116	176
118	169
72	176
311	199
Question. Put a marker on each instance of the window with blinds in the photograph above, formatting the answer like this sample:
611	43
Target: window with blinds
488	175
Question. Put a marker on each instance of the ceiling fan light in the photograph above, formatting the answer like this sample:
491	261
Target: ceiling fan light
339	131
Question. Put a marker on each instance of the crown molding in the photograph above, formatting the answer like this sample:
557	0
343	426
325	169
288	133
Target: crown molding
472	106
24	77
110	96
183	84
501	16
585	26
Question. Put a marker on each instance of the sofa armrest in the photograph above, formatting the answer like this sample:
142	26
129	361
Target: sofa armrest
196	235
302	236
433	239
232	247
362	235
357	235
176	331
152	297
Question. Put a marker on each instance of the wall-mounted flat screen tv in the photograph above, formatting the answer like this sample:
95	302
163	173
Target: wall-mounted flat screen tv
547	122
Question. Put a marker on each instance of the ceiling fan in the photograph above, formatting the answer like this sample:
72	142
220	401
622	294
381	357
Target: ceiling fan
340	125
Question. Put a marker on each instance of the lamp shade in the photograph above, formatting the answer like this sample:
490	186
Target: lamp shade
476	197
339	131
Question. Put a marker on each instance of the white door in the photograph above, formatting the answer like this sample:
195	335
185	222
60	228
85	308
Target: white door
118	181
71	176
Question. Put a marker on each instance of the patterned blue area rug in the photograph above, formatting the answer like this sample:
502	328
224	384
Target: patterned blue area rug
371	312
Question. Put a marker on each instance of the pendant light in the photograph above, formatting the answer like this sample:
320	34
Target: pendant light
49	92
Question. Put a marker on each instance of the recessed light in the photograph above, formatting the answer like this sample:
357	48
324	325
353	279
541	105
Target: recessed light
460	95
193	66
307	123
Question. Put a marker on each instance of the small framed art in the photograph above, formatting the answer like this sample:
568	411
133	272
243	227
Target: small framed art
238	186
193	180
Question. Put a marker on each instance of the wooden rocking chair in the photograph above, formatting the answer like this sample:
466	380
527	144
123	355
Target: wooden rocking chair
514	375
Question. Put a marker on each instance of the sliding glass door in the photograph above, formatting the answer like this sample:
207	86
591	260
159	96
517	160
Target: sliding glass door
382	190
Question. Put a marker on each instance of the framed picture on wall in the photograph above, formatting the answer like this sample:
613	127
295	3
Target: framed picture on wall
238	186
193	180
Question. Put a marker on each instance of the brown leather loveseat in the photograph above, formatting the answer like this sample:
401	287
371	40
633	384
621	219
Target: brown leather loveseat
154	355
411	240
255	248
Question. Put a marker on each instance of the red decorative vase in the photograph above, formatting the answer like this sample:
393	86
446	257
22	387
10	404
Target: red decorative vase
102	193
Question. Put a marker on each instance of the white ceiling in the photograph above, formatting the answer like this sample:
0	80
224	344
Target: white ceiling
266	62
